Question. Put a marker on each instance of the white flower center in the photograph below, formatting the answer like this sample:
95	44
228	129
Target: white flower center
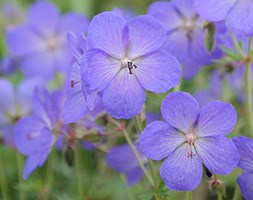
53	43
190	139
126	63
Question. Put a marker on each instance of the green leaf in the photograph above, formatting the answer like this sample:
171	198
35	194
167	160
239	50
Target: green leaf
209	37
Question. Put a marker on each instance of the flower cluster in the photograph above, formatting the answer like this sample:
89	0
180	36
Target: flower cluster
70	82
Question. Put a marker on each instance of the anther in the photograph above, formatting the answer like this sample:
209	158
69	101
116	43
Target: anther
73	83
130	66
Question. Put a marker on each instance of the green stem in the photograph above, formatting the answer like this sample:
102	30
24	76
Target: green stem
49	173
237	45
138	158
79	172
20	162
236	195
248	91
220	196
189	195
3	183
137	124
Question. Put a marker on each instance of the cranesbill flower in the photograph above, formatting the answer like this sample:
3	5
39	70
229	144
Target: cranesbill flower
185	34
188	137
123	160
42	42
245	148
238	14
80	99
15	103
126	59
34	136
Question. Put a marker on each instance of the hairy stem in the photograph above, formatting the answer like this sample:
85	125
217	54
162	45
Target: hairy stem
137	124
149	177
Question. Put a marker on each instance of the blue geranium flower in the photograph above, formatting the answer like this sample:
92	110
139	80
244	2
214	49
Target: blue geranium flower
188	137
238	14
245	181
125	59
34	134
15	103
41	42
185	34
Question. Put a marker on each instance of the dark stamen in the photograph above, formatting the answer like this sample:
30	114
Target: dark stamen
130	66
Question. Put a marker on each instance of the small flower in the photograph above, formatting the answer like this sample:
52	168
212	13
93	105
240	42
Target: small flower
125	59
185	34
245	181
41	41
238	14
123	160
34	136
15	103
188	137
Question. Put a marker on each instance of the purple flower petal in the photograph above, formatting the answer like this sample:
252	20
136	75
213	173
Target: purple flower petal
181	172
22	41
44	62
180	110
46	14
105	33
122	158
190	67
75	23
158	72
178	44
76	50
74	108
124	97
102	69
244	146
198	50
218	154
141	43
214	10
240	18
30	165
133	176
27	132
185	7
158	140
216	118
245	181
165	12
46	140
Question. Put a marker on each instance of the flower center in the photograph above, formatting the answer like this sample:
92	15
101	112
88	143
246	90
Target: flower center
126	63
53	43
190	139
